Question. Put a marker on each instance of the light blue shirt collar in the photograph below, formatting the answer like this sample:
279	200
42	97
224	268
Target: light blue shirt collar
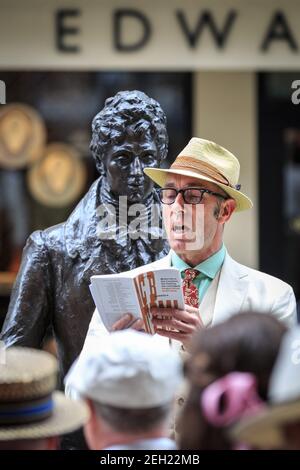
208	267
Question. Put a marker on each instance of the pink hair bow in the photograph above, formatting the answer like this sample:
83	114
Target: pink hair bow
227	399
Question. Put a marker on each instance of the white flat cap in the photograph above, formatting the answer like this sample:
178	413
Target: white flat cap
128	369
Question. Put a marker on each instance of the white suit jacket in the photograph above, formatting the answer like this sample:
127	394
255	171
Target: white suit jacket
239	289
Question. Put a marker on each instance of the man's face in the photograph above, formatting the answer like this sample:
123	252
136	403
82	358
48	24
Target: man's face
125	163
191	227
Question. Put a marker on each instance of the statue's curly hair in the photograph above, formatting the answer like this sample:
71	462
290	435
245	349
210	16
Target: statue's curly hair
128	108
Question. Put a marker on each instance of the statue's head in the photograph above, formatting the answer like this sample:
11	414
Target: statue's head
129	134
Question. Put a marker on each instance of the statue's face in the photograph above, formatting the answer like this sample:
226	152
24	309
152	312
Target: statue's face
124	164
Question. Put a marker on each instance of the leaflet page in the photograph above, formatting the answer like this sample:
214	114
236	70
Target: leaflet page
114	297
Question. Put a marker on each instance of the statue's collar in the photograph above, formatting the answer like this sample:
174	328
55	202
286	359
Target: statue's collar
81	227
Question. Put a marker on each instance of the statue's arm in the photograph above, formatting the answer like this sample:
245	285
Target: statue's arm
30	307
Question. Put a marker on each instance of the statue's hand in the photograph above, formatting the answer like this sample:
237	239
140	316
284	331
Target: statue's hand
128	321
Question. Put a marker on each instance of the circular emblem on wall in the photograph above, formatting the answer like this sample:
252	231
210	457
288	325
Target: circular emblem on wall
22	136
59	177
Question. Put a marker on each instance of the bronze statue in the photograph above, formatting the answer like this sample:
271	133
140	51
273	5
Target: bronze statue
129	133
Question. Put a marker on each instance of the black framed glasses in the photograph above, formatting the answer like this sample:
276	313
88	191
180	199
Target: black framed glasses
190	195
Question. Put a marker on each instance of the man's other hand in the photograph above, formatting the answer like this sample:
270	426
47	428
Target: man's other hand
177	324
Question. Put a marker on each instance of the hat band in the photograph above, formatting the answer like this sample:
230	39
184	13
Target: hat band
203	169
26	412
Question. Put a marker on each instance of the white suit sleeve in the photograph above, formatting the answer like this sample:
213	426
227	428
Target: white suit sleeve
284	308
95	332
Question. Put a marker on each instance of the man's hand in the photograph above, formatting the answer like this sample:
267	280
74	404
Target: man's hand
128	321
177	324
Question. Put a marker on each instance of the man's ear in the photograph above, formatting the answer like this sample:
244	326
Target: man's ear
227	209
91	428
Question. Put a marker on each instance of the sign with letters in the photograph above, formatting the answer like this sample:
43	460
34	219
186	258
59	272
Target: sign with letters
141	35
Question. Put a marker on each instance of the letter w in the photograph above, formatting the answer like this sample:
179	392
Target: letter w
207	19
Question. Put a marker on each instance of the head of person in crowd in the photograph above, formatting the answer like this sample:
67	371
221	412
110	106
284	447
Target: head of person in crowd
32	414
129	381
276	425
245	343
129	134
199	193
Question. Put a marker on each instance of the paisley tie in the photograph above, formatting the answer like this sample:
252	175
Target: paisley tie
190	291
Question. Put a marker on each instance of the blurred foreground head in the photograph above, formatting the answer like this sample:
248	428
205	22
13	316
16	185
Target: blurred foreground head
130	380
277	424
247	342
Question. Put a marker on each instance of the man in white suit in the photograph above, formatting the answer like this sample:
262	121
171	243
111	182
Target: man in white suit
199	194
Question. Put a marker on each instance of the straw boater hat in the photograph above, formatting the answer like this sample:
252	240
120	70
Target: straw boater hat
206	161
264	429
29	406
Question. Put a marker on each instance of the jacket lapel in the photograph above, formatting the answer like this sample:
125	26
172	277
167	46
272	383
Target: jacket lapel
232	290
80	229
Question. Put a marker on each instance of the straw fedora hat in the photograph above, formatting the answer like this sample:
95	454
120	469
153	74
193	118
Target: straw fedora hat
29	406
206	161
264	429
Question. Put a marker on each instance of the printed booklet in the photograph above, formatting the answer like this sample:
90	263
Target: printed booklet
117	294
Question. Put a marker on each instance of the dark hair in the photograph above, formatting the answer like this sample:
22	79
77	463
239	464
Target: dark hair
132	420
128	108
247	342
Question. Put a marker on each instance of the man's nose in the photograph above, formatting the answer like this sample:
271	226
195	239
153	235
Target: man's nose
137	167
178	203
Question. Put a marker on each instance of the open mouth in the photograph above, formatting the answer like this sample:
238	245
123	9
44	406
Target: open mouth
180	229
